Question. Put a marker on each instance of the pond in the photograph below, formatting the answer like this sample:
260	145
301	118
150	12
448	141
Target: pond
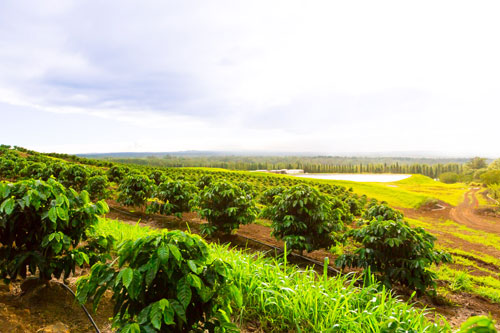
358	177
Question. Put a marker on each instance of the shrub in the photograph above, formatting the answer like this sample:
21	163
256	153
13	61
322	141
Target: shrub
305	219
381	212
41	226
204	181
7	168
97	186
491	177
268	196
117	173
158	177
36	170
396	253
74	176
135	190
225	206
174	197
164	282
449	177
249	189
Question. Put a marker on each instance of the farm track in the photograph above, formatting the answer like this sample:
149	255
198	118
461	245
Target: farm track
464	214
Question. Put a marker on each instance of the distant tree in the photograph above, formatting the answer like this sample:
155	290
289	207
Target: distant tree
448	177
477	163
495	165
491	177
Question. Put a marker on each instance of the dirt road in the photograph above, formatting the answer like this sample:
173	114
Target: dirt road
464	214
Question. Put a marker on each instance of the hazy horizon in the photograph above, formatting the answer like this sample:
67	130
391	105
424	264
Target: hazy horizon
357	77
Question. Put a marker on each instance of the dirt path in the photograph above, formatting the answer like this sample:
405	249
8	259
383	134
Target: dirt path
464	214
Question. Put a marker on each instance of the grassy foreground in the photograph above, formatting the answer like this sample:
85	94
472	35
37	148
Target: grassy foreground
283	298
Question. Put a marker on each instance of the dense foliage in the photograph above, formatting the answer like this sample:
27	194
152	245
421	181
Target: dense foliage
225	206
134	190
396	252
491	177
164	282
305	219
381	211
98	187
449	177
174	197
74	176
41	227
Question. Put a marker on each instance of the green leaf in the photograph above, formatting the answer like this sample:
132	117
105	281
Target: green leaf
62	213
184	292
151	272
194	281
168	315
175	252
156	315
128	275
53	214
192	266
236	295
143	316
179	309
131	328
163	254
8	206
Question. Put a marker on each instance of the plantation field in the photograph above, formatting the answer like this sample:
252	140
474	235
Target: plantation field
275	295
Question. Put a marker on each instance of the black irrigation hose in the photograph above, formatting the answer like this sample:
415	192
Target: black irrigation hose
83	306
261	243
292	254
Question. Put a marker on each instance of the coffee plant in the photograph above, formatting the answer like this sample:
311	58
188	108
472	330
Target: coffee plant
158	177
135	190
305	218
381	211
268	196
41	227
174	197
165	282
117	173
225	206
98	187
74	176
396	252
204	181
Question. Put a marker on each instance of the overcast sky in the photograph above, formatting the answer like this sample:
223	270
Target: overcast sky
322	76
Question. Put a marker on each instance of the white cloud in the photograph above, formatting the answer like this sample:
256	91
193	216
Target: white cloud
285	75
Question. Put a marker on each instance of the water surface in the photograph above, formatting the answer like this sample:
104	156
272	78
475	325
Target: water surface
358	177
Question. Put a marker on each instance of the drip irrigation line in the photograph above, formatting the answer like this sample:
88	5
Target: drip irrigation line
316	262
83	306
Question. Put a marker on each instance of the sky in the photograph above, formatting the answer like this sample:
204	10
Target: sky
334	77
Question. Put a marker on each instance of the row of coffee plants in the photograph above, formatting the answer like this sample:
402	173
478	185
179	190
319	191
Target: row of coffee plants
169	282
162	282
304	217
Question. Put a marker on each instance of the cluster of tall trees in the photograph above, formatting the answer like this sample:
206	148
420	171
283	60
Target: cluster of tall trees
319	164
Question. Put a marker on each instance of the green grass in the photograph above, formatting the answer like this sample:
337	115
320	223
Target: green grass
283	298
119	230
411	192
485	286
